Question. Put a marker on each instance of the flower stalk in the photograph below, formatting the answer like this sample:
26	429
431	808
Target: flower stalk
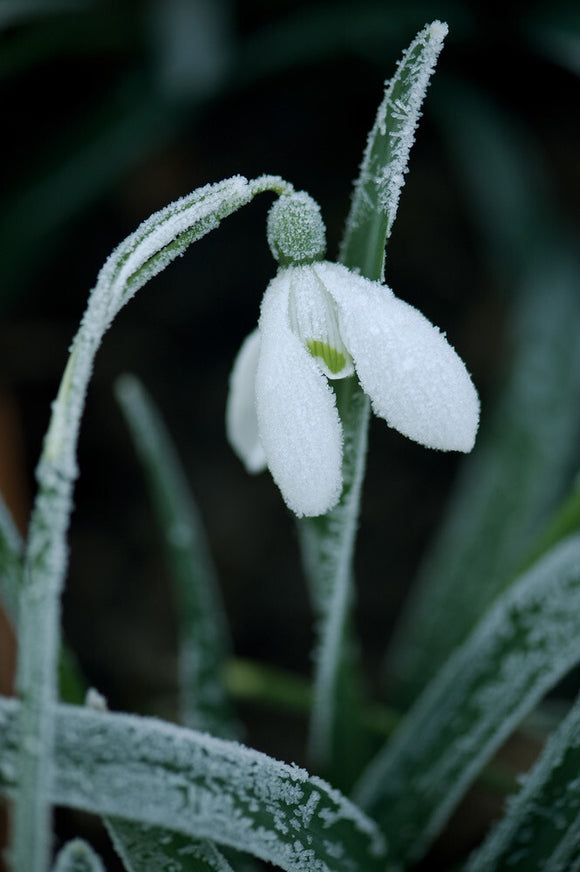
145	253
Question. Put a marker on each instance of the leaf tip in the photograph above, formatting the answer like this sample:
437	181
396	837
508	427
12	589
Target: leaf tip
438	30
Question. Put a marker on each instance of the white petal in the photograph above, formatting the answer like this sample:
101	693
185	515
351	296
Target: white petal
415	379
297	416
241	418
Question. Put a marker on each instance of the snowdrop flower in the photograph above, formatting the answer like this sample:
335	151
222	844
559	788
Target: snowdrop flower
319	322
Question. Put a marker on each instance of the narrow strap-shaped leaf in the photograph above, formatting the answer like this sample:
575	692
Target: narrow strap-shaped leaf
156	773
78	856
204	645
377	191
132	837
328	542
164	846
526	642
203	639
152	849
145	253
540	831
11	550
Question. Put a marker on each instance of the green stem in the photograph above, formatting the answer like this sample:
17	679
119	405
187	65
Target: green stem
39	614
328	547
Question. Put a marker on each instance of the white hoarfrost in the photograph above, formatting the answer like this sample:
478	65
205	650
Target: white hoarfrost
386	158
322	321
190	783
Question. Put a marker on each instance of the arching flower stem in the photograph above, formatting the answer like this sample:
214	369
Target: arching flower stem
145	253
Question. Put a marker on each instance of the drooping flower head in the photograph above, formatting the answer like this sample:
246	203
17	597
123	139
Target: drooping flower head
319	322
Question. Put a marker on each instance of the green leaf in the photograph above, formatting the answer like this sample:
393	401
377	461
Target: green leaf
204	645
151	849
521	465
203	640
525	643
144	254
155	773
377	191
540	831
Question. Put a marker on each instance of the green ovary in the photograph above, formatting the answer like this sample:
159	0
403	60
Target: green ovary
334	359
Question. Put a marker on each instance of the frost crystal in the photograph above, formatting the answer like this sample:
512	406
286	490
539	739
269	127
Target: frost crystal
323	321
382	172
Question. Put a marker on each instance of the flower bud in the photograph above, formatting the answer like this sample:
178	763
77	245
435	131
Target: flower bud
296	231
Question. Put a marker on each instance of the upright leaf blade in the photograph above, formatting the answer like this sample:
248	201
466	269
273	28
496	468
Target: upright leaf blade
377	191
204	645
155	773
526	642
203	639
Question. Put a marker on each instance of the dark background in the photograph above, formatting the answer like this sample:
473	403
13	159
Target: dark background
109	113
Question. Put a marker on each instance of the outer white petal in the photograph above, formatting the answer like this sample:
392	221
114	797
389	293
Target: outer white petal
415	379
241	418
297	416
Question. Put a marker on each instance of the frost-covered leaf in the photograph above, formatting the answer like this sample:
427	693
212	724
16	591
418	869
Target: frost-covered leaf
203	639
11	551
78	856
525	643
191	783
377	191
540	831
145	253
152	849
527	445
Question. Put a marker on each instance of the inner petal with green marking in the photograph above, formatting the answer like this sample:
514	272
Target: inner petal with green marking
334	359
314	318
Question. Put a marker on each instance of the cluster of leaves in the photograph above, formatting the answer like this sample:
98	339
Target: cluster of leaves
493	626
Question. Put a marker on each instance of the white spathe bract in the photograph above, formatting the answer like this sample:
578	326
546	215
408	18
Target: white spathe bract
323	321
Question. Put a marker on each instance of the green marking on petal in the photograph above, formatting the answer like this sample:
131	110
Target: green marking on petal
334	359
